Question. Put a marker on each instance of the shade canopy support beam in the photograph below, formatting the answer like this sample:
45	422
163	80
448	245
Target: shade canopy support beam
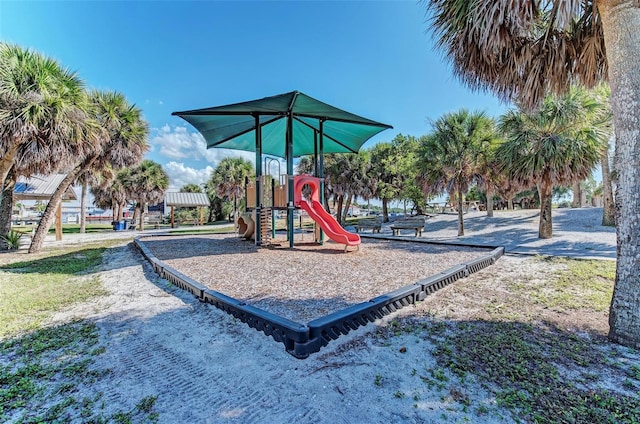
289	158
321	171
258	231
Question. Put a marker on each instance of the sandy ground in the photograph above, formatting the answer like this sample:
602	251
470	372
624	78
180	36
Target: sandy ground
207	367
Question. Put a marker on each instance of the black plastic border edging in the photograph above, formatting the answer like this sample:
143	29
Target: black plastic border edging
302	340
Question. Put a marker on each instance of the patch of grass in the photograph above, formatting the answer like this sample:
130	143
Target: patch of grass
30	291
146	404
521	364
584	284
68	228
46	368
89	228
378	380
68	263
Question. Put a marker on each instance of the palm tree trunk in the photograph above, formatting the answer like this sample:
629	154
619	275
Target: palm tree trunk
339	208
83	204
346	207
120	211
6	205
6	162
235	209
211	209
510	203
577	195
49	214
545	188
460	212
489	195
50	211
620	23
385	210
141	217
608	210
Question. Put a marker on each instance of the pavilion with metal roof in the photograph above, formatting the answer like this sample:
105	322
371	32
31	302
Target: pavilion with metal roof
186	200
42	187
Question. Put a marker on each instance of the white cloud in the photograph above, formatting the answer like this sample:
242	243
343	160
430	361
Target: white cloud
178	143
181	175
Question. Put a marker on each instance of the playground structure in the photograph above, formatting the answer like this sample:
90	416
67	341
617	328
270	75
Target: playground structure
274	198
287	126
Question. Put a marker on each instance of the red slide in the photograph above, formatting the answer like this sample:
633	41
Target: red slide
329	224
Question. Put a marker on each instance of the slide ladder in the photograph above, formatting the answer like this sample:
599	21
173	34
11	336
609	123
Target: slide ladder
265	226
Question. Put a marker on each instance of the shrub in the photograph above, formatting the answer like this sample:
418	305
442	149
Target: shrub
12	239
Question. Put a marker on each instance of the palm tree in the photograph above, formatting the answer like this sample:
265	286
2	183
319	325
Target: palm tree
338	181
191	188
43	109
506	186
146	185
122	142
84	181
556	144
215	202
44	119
383	158
602	94
449	155
608	206
522	49
487	168
6	207
228	178
109	191
354	178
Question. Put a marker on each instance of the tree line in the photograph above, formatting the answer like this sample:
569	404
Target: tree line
50	122
556	145
521	51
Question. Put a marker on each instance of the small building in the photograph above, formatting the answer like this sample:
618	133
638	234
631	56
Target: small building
42	187
186	200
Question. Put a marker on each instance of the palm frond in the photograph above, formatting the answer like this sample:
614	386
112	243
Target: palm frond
520	49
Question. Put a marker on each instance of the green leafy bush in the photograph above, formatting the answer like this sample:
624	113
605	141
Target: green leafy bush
12	239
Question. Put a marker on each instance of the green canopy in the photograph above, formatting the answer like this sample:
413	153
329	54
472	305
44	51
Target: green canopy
233	126
287	125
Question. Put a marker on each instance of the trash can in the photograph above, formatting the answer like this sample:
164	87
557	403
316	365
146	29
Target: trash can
118	225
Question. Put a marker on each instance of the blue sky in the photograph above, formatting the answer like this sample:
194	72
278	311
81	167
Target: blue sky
375	59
